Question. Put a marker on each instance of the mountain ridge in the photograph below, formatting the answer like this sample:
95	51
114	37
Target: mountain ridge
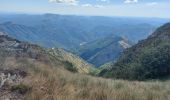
103	50
68	32
147	59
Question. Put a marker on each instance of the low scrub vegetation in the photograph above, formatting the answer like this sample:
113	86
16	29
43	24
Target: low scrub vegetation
69	66
21	89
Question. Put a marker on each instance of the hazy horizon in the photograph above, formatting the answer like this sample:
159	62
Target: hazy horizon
81	15
111	8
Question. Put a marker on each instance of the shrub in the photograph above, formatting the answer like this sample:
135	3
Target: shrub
69	66
21	89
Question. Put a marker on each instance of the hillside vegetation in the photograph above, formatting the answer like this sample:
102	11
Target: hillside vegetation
149	59
57	84
54	83
76	62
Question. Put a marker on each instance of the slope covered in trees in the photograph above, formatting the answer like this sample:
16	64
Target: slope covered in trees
149	59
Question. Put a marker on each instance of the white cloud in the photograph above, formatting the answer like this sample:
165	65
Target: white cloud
130	1
152	3
104	0
76	3
72	2
90	5
99	6
86	5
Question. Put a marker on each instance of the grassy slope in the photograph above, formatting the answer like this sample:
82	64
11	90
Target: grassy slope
59	84
52	82
81	65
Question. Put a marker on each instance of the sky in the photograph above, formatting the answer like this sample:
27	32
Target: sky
134	8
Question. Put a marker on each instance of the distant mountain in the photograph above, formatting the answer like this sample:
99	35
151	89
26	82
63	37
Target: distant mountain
103	50
68	32
91	36
149	59
27	33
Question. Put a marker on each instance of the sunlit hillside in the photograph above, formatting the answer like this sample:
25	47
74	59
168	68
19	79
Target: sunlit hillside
84	49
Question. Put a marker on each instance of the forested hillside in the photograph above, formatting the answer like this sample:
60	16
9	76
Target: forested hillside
149	59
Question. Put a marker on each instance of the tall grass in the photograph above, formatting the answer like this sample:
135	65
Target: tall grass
59	84
56	83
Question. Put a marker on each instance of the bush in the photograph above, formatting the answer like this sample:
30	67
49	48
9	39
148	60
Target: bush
69	66
21	89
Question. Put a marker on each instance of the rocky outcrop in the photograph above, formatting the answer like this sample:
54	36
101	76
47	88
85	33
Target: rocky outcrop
11	77
8	79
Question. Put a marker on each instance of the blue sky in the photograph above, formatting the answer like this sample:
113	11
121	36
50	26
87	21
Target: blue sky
139	8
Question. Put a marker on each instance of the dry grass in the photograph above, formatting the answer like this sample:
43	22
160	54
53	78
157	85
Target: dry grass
59	84
78	63
55	83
